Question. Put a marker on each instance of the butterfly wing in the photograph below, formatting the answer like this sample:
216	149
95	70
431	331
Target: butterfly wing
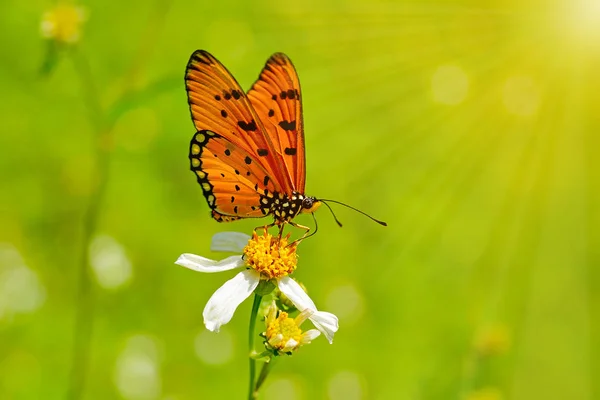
275	97
234	160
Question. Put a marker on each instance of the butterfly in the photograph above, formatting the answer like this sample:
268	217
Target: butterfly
248	151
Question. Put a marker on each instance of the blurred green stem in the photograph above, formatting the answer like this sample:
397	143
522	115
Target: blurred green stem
85	295
267	366
252	394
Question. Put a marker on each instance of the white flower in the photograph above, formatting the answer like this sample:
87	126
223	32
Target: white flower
264	258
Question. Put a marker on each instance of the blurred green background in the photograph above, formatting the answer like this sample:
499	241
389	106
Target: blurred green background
472	129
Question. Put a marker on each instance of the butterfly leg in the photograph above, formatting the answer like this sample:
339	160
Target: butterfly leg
306	233
265	227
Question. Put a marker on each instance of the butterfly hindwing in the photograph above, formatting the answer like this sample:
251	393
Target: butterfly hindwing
276	98
228	176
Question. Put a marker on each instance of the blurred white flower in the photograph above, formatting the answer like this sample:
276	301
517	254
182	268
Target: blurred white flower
137	373
109	262
21	291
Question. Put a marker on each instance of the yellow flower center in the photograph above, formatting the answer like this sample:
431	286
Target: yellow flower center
269	256
285	326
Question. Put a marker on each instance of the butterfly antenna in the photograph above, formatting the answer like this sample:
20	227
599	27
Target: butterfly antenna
355	209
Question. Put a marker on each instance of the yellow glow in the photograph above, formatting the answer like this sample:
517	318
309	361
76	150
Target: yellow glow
449	84
585	20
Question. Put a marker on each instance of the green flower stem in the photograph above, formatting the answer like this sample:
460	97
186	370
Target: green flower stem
267	366
253	315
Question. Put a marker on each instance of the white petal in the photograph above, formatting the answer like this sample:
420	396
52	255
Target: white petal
323	321
227	298
303	316
229	241
309	336
289	346
326	323
295	293
276	340
201	264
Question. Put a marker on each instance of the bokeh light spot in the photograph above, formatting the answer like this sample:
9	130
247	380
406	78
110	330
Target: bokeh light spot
520	96
109	262
21	291
283	388
347	303
346	385
214	349
137	371
449	84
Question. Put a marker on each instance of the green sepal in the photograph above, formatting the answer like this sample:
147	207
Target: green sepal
264	287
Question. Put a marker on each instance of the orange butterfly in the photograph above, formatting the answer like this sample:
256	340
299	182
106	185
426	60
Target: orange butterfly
248	151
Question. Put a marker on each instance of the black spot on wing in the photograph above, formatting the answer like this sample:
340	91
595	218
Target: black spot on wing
266	180
288	126
271	113
223	113
248	160
263	152
290	151
247	126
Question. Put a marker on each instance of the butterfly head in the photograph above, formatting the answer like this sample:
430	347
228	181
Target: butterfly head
310	205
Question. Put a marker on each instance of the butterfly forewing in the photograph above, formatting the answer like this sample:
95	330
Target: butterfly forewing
276	99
